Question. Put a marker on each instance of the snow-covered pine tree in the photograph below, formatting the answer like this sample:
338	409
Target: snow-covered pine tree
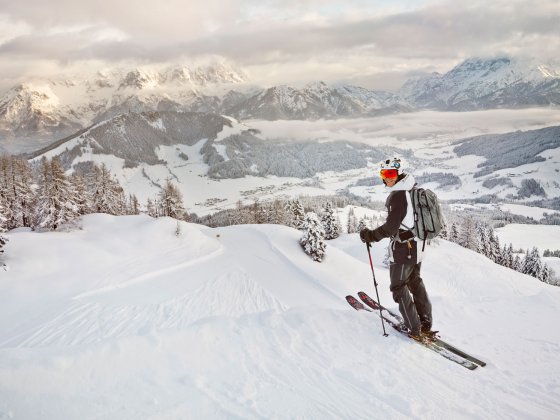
3	220
56	204
331	222
133	205
538	268
171	201
444	233
151	208
517	264
352	225
454	233
4	187
277	214
239	217
289	209
298	214
494	250
508	259
313	238
467	234
25	196
544	275
107	195
362	224
524	262
532	265
267	213
44	192
337	224
258	212
122	207
82	196
483	239
16	192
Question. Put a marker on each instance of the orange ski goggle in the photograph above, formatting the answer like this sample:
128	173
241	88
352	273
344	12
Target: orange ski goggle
389	173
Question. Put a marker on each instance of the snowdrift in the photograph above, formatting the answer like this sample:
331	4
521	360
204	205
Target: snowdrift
125	319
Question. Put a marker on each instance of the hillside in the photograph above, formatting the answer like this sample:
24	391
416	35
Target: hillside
217	160
124	319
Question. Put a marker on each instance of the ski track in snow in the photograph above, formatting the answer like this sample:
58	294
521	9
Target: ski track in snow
147	276
87	323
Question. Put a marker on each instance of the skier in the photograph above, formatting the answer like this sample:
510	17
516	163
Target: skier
405	254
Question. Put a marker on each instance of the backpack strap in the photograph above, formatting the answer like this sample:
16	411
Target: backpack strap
419	221
408	197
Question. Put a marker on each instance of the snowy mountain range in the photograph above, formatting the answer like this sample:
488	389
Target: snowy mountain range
483	84
314	101
54	108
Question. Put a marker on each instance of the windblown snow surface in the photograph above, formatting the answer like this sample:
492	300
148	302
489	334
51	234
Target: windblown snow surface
124	319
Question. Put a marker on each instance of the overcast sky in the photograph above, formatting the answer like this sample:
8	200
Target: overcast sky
377	44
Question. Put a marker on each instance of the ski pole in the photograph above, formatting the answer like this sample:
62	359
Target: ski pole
368	246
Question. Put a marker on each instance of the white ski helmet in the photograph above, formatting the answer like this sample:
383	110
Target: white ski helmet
394	163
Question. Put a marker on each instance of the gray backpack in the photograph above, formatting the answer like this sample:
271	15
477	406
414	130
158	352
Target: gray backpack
428	218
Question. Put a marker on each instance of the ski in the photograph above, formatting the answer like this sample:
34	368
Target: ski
426	343
364	297
436	339
354	303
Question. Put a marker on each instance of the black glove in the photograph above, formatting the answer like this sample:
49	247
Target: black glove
366	235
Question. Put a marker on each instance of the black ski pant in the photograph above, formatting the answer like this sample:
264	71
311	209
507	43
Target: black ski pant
409	292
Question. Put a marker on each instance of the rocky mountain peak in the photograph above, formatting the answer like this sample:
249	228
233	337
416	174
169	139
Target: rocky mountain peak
179	74
480	64
25	98
480	83
220	73
140	79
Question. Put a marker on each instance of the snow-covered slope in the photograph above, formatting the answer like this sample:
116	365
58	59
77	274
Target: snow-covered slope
486	83
124	319
215	160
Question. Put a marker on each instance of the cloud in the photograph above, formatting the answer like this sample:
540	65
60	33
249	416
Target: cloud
342	40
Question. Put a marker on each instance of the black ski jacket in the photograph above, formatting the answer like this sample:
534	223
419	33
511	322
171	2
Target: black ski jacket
403	246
